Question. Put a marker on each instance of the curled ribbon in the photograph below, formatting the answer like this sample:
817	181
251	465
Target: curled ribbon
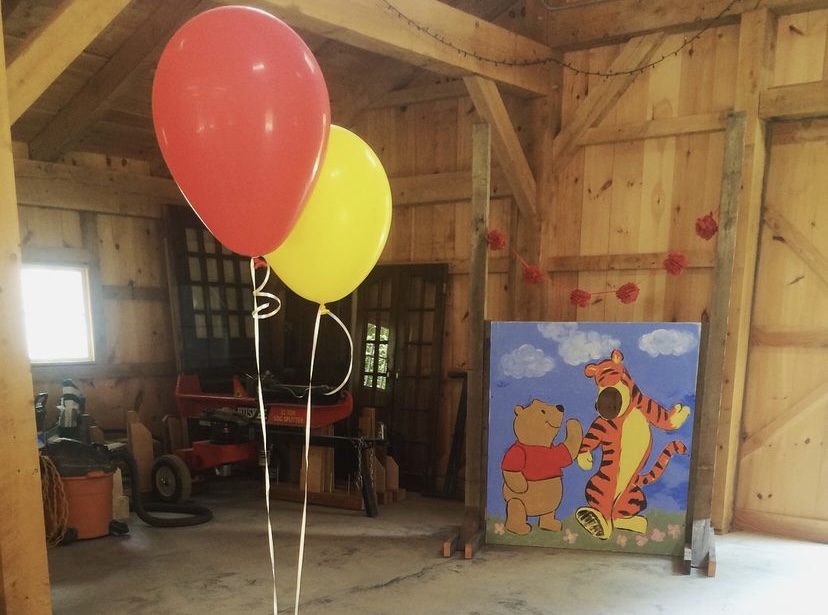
261	312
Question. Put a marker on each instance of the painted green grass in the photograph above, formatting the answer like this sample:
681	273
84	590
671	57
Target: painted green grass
664	536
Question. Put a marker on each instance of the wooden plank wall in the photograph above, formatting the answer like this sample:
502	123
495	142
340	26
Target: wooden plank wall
640	190
783	458
640	196
780	486
128	281
631	194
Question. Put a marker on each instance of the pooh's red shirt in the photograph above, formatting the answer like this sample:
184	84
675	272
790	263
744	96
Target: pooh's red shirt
536	462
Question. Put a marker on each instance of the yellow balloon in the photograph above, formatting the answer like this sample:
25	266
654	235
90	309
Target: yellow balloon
343	227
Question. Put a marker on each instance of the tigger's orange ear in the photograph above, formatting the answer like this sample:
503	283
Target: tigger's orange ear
617	356
590	370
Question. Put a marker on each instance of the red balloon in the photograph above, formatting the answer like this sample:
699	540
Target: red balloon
241	113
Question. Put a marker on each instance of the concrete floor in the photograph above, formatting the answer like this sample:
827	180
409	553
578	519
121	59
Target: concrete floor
393	564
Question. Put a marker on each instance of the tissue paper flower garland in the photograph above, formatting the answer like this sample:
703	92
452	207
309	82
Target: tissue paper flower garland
674	264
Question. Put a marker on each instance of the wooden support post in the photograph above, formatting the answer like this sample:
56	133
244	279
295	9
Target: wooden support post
475	409
753	75
24	573
711	378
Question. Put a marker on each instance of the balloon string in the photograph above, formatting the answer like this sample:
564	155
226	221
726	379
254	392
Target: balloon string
322	310
260	312
258	291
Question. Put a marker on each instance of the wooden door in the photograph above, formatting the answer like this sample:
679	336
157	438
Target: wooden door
213	297
401	312
782	482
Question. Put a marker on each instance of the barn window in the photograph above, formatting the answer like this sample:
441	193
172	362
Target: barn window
57	313
375	357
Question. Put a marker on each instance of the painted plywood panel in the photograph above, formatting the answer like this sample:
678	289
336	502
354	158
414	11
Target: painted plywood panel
590	434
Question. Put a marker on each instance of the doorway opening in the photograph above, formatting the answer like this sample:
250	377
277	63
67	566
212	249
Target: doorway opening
400	319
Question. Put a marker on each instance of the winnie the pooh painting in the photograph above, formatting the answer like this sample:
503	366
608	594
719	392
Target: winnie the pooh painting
532	467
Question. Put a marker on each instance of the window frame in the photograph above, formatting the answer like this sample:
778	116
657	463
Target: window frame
88	315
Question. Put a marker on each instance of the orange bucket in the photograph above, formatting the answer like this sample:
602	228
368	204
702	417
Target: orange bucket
89	500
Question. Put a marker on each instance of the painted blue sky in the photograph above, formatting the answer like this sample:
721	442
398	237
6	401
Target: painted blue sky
545	361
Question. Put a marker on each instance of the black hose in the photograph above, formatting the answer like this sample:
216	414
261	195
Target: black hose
193	513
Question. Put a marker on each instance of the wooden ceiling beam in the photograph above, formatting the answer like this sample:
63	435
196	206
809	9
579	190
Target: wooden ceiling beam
427	93
50	49
424	33
616	21
89	104
507	147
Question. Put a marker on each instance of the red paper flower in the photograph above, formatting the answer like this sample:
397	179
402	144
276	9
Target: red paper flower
706	226
675	263
580	298
531	274
628	293
496	239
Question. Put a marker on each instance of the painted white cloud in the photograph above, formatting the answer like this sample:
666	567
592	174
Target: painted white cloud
557	331
526	361
671	342
583	346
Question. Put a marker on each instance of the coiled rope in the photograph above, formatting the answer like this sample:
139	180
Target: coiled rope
55	503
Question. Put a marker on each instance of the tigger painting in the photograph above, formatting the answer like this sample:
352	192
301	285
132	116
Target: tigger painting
622	433
632	387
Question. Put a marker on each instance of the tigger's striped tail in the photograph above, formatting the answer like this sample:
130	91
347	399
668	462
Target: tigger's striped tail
673	448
